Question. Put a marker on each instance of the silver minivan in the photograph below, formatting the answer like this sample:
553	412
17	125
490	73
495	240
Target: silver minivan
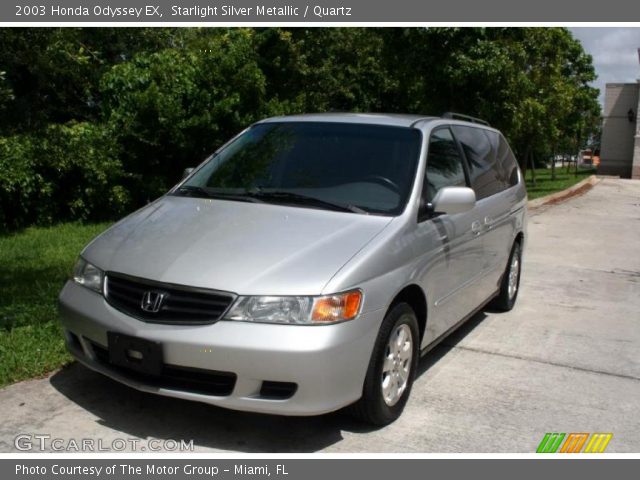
306	265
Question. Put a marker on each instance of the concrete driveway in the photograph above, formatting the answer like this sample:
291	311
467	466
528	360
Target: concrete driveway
566	359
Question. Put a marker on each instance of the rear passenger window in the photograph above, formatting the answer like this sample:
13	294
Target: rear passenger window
487	177
444	164
506	165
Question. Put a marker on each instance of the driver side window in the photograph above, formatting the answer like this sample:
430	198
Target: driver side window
444	164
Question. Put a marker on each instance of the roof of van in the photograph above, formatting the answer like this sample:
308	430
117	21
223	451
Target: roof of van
393	119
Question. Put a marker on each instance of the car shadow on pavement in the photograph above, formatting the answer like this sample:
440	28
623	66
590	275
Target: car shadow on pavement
144	415
450	342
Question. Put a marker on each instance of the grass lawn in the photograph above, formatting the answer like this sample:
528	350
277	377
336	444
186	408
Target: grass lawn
34	264
546	186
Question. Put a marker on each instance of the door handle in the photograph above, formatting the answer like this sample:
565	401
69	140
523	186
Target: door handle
488	221
476	227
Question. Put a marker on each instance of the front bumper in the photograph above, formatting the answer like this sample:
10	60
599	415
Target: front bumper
327	363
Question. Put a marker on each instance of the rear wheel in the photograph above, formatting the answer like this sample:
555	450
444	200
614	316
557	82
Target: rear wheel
510	285
391	369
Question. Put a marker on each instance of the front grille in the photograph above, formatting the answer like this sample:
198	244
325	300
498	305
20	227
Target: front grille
173	377
179	304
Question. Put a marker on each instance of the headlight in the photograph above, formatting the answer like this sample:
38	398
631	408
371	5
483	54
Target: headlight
297	310
88	275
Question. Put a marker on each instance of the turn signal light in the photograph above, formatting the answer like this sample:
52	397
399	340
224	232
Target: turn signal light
335	308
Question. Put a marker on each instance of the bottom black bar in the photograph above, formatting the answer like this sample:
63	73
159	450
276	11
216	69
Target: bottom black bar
320	468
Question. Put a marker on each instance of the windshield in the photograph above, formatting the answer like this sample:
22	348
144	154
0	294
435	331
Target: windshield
350	167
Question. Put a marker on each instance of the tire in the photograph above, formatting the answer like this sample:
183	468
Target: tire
507	297
375	407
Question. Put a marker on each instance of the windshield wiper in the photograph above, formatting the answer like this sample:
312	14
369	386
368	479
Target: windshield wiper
192	189
260	196
203	192
291	197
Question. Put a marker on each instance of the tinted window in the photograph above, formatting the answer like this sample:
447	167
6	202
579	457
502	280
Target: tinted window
444	164
505	162
484	170
508	161
371	167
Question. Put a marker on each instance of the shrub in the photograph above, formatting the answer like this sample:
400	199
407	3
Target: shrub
64	172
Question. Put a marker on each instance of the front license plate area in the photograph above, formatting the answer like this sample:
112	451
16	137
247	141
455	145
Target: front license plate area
134	353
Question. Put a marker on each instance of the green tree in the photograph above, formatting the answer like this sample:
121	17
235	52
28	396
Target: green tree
172	107
149	102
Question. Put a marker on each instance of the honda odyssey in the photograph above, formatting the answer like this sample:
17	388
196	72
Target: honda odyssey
306	265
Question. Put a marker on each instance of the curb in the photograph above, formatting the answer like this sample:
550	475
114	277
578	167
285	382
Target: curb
578	189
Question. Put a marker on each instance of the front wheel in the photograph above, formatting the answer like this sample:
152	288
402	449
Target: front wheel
392	368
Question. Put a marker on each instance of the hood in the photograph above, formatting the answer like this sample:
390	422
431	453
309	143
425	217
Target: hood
245	248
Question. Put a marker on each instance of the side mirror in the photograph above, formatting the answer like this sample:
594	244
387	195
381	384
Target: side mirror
187	172
451	200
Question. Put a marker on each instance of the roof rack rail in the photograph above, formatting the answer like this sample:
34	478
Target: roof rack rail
468	118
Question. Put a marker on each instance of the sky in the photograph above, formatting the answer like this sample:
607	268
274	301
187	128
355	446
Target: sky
614	51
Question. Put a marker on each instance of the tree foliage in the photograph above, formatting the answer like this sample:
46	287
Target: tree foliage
69	171
94	122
